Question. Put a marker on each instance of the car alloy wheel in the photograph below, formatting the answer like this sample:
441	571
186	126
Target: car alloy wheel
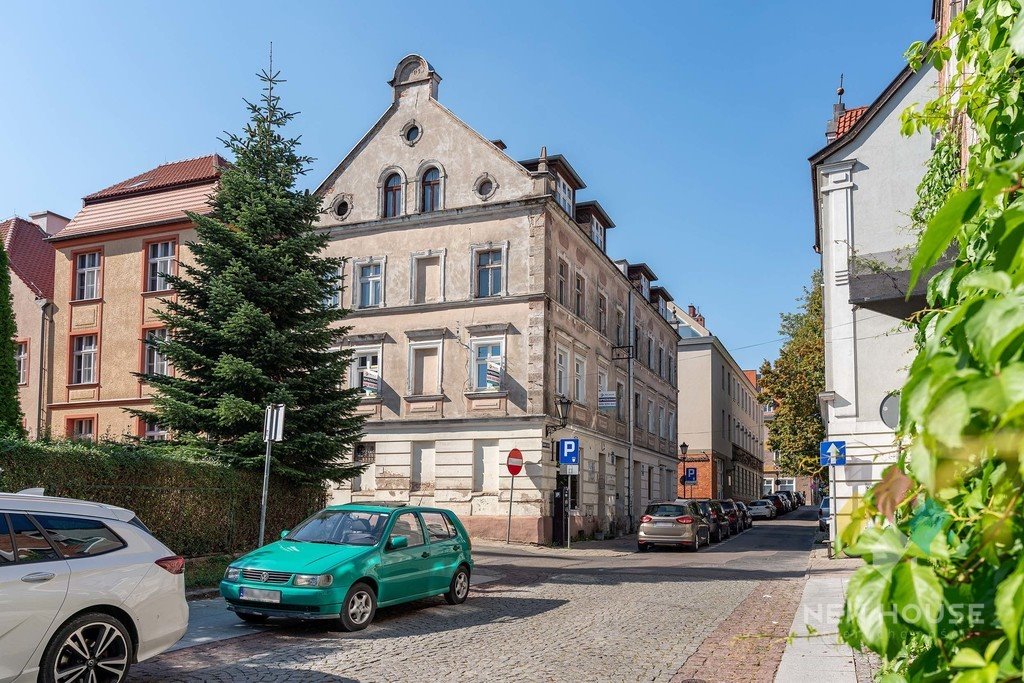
458	589
359	607
93	647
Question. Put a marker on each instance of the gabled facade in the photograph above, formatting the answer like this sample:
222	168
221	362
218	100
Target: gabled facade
31	268
482	293
108	282
864	183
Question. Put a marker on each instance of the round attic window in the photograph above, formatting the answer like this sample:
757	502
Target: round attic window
411	133
485	187
342	207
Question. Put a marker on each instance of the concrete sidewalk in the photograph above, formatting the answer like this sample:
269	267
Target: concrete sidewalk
821	657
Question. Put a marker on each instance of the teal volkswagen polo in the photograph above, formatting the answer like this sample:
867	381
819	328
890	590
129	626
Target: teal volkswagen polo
347	560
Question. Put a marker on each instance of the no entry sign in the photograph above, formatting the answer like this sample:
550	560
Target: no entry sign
514	462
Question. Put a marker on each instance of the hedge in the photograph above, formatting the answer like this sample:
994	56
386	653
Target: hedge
193	505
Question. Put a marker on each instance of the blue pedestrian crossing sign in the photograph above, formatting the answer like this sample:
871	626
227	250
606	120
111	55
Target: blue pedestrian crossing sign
832	453
568	451
690	478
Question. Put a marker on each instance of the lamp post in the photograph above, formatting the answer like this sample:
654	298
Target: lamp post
562	405
683	448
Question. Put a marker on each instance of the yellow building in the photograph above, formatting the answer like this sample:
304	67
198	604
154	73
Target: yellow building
107	282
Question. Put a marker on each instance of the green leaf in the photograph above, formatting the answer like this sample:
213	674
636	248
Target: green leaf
949	417
1016	40
996	325
957	210
1010	605
966	658
867	601
917	595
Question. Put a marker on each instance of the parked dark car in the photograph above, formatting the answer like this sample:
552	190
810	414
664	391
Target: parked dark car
732	513
776	499
717	519
800	499
790	497
824	513
747	520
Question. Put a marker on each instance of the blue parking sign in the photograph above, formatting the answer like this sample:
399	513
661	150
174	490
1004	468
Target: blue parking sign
690	477
568	451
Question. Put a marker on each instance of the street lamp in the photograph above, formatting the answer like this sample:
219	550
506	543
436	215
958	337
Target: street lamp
562	405
683	447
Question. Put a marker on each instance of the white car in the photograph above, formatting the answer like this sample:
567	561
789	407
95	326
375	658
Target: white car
761	509
85	591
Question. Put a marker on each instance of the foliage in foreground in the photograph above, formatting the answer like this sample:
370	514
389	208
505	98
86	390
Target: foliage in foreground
793	383
254	320
941	596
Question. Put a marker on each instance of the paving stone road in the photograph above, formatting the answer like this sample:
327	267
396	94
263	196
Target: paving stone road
599	612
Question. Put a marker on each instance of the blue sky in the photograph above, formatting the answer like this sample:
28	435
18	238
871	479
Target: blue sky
691	122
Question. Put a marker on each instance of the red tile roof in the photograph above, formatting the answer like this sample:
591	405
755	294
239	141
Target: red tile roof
30	256
174	174
848	120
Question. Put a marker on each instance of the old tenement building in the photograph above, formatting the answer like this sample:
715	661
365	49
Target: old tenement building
481	292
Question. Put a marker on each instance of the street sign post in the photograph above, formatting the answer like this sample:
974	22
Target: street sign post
273	430
689	479
569	458
514	463
832	454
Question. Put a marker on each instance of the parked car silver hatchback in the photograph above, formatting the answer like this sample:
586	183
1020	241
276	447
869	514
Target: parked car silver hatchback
679	524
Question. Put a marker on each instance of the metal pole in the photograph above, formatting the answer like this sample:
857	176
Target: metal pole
511	492
266	484
568	515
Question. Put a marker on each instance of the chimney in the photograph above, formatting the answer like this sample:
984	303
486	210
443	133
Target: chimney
691	311
838	109
50	222
500	144
542	162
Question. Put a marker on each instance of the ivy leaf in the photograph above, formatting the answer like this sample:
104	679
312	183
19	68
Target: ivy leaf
957	210
917	595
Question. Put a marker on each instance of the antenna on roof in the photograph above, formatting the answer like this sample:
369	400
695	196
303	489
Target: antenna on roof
840	90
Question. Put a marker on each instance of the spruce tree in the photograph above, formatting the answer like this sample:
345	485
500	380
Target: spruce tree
10	408
252	324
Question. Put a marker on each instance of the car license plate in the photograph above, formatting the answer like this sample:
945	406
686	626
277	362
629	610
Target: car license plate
663	524
258	594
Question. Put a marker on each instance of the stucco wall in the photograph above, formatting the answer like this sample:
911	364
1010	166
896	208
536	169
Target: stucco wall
27	319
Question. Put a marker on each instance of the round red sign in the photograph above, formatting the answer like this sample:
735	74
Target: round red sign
514	462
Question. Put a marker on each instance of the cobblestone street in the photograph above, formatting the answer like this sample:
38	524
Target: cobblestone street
600	611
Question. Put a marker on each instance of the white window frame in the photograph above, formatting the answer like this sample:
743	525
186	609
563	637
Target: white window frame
78	435
620	332
79	356
565	195
650	352
620	401
661	421
579	378
357	283
153	431
334	299
562	285
672	424
474	345
88	288
597	233
355	372
159	266
650	416
579	295
154	362
411	379
21	361
602	313
562	371
441	255
489	246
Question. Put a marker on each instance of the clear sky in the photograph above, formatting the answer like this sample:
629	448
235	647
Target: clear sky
691	122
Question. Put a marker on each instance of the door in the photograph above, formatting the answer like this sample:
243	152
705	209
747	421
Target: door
445	550
33	585
404	571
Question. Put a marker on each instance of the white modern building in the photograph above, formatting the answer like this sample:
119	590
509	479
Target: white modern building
864	182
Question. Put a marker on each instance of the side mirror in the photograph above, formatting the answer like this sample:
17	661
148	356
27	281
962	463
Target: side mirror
285	532
397	542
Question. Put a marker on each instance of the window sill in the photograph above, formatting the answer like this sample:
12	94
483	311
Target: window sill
155	292
94	300
485	393
423	398
84	385
375	398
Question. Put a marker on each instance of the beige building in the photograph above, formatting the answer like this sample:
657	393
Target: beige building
108	280
481	292
31	266
720	419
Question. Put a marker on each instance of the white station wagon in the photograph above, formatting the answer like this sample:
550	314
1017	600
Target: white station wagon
85	591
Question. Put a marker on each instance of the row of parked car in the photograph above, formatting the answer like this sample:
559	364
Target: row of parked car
694	523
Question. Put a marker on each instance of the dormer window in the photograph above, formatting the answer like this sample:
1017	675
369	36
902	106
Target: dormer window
565	195
597	232
430	191
392	196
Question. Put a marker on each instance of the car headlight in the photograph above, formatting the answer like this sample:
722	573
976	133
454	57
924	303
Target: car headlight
232	573
313	580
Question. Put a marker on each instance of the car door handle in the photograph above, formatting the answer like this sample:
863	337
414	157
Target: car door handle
425	554
456	548
37	577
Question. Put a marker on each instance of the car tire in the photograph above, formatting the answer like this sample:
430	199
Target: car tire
359	608
62	654
458	588
252	618
695	546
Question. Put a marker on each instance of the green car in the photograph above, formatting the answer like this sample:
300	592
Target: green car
347	560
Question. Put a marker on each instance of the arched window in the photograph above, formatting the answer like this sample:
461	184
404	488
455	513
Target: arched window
430	193
392	196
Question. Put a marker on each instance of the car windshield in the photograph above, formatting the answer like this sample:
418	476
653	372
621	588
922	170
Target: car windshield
341	527
665	510
759	503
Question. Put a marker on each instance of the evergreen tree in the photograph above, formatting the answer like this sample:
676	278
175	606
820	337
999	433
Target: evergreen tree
793	383
252	323
10	408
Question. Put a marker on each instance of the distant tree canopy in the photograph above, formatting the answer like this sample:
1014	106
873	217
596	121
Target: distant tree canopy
792	383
